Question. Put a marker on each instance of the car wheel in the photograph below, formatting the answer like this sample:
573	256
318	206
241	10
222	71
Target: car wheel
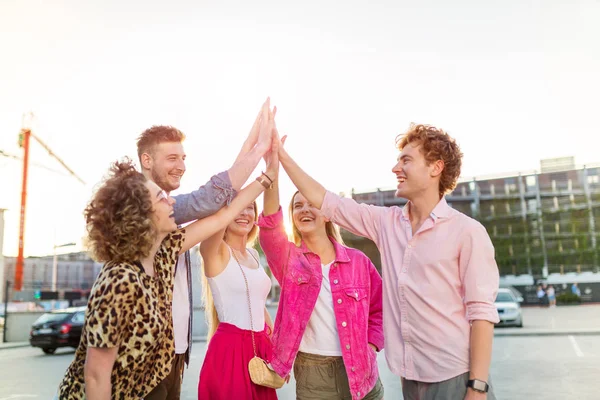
520	323
49	350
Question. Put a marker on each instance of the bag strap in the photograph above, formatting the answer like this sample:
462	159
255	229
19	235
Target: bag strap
248	295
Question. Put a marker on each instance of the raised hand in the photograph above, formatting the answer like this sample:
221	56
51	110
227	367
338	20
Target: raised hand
252	138
281	143
265	130
272	156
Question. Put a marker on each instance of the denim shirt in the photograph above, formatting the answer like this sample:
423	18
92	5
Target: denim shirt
356	288
204	201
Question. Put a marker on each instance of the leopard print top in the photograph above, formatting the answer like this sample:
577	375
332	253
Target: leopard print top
130	310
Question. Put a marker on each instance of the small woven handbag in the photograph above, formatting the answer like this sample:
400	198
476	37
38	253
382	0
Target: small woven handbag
260	373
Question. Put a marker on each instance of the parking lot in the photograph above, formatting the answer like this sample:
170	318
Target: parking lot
553	367
525	365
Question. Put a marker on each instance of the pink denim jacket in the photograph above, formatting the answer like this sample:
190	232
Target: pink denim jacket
356	288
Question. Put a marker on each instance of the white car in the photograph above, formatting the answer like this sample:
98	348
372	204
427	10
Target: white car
509	309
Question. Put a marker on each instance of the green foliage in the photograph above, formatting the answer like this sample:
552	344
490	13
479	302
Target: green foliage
568	298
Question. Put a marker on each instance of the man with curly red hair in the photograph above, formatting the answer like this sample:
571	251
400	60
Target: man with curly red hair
440	277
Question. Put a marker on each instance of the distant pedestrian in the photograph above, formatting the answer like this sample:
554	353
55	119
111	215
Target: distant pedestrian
551	296
541	294
575	290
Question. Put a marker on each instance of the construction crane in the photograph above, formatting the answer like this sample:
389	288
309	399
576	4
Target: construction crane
25	136
15	157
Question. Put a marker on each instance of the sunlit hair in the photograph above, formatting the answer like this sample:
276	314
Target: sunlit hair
155	135
435	145
331	228
119	216
210	312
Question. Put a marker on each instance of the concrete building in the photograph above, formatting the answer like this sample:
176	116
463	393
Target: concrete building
75	272
2	253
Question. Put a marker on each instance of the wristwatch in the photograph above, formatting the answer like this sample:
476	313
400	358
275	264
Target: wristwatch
478	386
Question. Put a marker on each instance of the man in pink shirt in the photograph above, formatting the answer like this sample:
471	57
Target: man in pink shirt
440	277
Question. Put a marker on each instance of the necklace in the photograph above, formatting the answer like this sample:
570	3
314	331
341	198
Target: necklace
244	256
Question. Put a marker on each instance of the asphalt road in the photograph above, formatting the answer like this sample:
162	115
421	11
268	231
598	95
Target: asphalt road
549	367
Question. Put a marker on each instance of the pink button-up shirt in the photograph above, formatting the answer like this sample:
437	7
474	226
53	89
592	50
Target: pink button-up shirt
435	282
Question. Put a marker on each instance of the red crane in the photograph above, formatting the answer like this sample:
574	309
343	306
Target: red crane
25	136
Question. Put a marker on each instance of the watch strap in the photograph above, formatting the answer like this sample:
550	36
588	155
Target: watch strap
478	385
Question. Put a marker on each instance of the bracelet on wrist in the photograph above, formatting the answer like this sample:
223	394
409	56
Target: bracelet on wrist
266	184
268	177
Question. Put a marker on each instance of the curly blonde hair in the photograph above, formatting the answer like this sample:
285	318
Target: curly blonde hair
435	145
119	216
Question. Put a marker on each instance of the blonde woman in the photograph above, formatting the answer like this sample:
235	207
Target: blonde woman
329	321
229	264
236	287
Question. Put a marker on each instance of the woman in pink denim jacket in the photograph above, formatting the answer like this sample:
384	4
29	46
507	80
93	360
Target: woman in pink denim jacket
329	321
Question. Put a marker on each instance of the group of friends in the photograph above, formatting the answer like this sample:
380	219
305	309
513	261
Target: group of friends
433	310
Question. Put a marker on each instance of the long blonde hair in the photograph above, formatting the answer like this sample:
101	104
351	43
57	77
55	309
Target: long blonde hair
331	228
210	312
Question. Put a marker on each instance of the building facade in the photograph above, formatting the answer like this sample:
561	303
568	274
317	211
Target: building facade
75	272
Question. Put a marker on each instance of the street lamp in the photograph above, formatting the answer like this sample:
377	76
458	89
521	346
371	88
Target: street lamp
55	264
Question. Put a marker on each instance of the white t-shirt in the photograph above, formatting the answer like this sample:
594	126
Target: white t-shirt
181	307
230	297
321	334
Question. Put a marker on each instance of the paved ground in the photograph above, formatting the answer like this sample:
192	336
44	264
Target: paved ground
561	366
555	367
563	317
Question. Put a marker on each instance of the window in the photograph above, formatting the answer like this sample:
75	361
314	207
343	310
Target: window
78	318
532	205
505	297
51	317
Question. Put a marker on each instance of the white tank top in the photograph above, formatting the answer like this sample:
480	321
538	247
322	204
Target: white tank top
230	298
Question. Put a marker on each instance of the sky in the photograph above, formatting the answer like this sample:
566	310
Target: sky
513	81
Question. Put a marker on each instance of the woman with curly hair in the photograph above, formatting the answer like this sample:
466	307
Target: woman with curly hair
127	344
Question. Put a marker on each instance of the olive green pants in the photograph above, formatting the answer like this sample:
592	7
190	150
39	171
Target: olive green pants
325	378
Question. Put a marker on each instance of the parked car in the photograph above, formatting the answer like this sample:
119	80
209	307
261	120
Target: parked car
60	328
509	308
518	295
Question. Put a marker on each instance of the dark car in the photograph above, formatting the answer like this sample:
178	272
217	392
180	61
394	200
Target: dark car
61	328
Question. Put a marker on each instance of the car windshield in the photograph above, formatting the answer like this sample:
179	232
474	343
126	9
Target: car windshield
54	317
504	297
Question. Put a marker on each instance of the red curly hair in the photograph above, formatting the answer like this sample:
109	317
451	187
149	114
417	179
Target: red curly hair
435	145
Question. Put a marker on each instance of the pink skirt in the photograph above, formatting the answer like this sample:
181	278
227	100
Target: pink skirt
224	374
